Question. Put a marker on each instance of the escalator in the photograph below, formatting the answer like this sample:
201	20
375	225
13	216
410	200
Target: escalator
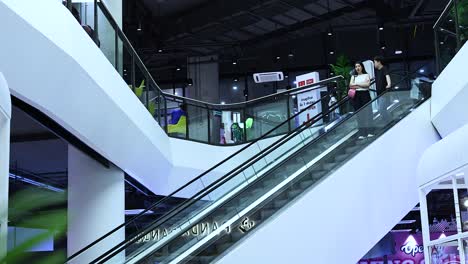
225	210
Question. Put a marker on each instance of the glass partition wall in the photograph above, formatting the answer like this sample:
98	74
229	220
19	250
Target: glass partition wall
451	32
445	238
184	118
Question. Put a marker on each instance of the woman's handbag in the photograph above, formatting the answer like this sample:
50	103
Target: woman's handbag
351	92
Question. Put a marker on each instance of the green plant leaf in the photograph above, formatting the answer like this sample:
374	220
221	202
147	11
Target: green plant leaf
152	108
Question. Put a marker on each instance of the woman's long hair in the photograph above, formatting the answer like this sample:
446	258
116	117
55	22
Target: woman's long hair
362	66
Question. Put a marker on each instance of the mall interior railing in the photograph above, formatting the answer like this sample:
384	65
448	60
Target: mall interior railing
181	117
451	32
317	126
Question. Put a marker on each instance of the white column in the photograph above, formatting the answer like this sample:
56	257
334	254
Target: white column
5	116
96	205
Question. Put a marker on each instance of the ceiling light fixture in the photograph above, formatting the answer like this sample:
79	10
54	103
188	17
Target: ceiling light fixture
398	52
381	28
160	50
465	202
223	102
421	71
332	52
234	87
383	47
178	69
278	57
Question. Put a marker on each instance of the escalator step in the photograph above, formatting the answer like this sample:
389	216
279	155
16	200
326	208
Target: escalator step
265	213
352	149
318	174
221	247
294	193
306	183
280	203
340	158
328	166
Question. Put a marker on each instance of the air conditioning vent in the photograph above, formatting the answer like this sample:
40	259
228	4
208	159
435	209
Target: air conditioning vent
268	77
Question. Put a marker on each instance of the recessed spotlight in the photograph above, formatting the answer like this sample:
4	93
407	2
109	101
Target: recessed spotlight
330	33
465	202
332	52
450	20
381	28
139	29
236	80
278	57
223	102
286	76
234	63
442	43
421	71
234	87
383	47
290	55
178	69
160	50
398	52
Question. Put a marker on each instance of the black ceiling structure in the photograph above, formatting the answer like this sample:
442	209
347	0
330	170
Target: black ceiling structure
255	33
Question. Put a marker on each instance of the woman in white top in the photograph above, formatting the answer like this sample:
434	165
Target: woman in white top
361	82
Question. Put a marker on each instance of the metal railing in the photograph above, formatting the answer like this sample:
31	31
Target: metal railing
183	117
450	32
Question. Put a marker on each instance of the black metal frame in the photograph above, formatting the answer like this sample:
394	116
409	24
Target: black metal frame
264	136
233	172
452	4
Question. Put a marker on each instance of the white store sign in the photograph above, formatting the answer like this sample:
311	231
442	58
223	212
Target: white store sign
304	100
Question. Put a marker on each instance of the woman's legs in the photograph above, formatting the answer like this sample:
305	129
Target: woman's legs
363	116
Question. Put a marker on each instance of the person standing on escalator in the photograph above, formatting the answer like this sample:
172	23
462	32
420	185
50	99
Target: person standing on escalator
382	84
360	96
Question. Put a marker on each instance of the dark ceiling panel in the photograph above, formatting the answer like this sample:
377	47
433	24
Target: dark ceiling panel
240	21
298	14
267	25
284	20
237	35
255	30
212	31
271	10
316	9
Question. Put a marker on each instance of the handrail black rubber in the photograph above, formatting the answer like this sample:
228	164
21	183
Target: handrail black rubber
196	178
214	185
206	172
251	161
127	43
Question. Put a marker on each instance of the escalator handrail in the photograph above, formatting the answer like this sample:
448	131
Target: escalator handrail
127	43
266	135
311	87
214	185
219	182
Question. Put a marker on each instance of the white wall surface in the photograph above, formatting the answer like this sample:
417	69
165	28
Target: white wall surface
445	156
96	205
450	95
191	159
5	116
77	87
339	220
